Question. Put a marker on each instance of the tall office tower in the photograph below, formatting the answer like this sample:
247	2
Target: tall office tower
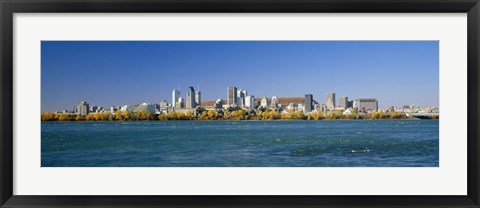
250	101
264	102
190	97
180	103
308	102
241	94
83	108
198	98
350	104
274	102
344	102
331	101
175	96
232	95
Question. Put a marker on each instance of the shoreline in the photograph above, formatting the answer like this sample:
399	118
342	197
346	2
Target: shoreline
236	115
226	120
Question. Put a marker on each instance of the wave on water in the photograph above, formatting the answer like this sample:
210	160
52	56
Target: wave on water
310	150
359	150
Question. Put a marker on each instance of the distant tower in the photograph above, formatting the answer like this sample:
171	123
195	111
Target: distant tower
198	98
241	97
82	108
250	101
231	95
264	103
190	97
274	102
180	103
344	102
175	96
331	101
308	102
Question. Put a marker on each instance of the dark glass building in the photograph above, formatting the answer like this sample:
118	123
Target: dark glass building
308	102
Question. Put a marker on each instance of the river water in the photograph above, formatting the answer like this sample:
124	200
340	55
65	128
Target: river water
280	143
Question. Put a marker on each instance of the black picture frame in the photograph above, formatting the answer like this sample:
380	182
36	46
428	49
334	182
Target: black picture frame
9	7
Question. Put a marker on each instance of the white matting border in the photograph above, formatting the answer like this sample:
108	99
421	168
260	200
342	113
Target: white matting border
448	179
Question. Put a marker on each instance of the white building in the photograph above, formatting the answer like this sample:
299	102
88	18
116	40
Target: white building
330	101
241	97
175	96
264	102
180	103
124	108
292	106
250	101
83	108
301	107
274	102
146	106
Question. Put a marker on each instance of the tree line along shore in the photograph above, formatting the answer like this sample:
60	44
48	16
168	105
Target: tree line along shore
144	115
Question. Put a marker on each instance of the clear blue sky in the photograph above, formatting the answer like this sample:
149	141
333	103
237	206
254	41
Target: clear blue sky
107	73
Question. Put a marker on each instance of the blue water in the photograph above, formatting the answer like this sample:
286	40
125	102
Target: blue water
340	143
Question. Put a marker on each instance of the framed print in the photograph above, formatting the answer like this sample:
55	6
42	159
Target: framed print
246	104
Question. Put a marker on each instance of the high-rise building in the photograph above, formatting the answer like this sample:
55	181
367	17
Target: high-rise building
350	104
163	105
308	102
82	109
241	94
198	98
175	96
274	102
331	101
264	102
180	103
250	101
366	105
219	104
344	102
190	102
232	95
93	108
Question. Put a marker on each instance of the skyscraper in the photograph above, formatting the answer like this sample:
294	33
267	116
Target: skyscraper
264	102
232	95
344	102
198	98
308	102
180	103
274	102
241	94
82	108
331	101
250	101
175	96
190	97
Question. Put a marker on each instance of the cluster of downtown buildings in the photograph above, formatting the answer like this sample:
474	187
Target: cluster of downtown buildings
240	99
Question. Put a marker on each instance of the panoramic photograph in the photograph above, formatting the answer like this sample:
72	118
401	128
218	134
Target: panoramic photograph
240	104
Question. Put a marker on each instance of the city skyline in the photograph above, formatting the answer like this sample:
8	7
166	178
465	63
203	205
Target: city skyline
128	72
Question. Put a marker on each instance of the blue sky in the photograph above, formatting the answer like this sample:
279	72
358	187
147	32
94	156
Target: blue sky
107	73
